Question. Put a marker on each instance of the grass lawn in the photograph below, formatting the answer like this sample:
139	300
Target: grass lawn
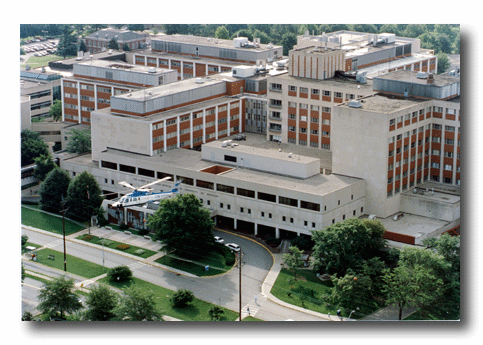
251	318
75	265
307	292
48	222
196	311
112	244
38	61
216	261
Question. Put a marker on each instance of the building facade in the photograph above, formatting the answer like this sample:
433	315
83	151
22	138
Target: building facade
98	41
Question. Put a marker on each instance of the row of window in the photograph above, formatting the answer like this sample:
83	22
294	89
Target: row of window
415	114
275	87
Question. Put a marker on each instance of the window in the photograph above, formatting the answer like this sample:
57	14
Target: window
245	192
338	94
267	197
292	88
205	184
304	90
310	206
225	189
448	167
449	128
287	201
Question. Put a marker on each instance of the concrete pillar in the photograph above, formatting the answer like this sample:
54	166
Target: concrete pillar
235	225
256	229
277	233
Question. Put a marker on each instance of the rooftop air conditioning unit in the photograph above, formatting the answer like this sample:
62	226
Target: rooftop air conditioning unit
422	75
199	81
355	104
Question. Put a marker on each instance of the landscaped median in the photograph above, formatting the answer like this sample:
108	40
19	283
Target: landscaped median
123	247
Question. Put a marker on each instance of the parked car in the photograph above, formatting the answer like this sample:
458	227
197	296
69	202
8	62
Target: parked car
233	247
218	239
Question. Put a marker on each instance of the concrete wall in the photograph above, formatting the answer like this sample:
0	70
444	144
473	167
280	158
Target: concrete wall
428	207
121	133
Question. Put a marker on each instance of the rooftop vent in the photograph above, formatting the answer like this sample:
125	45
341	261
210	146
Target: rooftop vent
422	75
355	104
199	81
152	70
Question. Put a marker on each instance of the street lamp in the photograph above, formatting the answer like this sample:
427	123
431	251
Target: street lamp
63	231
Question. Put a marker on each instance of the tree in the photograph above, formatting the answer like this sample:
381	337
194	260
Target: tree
135	27
44	165
79	141
27	316
58	296
293	259
82	46
443	62
112	44
182	224
24	239
68	42
182	298
83	197
54	189
101	303
351	291
32	146
222	33
126	48
120	273
346	244
137	304
418	280
55	110
288	41
216	312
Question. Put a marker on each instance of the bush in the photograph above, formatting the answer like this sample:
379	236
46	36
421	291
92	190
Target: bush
181	298
273	241
122	246
123	226
119	273
139	252
302	242
216	313
87	237
143	232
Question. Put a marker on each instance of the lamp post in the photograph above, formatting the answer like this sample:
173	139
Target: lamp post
63	231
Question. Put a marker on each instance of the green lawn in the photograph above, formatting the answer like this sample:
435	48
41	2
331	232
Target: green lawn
196	311
38	61
75	265
195	264
251	318
112	244
29	244
307	292
48	222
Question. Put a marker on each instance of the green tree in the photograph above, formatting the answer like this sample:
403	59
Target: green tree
101	303
82	46
58	297
55	110
293	259
23	240
216	312
346	244
182	298
351	291
68	42
222	33
137	304
443	62
31	146
288	41
182	224
135	27
126	48
44	165
79	141
54	189
112	44
120	273
27	316
83	197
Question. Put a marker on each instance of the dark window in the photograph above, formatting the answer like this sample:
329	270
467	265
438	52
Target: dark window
109	165
127	168
146	172
161	175
205	184
267	197
310	205
186	180
287	201
245	192
226	189
230	158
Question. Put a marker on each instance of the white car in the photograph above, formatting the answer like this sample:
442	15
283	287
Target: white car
218	239
233	247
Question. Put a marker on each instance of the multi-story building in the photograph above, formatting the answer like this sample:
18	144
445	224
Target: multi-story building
94	82
300	103
99	40
194	56
406	134
374	53
42	87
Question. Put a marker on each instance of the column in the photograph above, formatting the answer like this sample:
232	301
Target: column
191	130
177	132
164	136
277	233
78	103
204	126
216	122
256	229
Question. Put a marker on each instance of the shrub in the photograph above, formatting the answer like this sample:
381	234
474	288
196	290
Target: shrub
139	252
216	313
103	241
119	273
88	237
123	226
273	241
122	246
181	298
143	232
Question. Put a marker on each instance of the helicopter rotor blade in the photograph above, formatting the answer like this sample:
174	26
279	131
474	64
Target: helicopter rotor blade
125	184
152	183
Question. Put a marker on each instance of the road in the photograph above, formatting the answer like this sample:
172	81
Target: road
222	290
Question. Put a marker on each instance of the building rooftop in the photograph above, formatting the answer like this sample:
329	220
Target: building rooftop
191	160
331	82
118	34
212	42
413	77
383	104
121	65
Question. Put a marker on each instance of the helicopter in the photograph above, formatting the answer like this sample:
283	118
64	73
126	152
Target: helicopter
143	195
